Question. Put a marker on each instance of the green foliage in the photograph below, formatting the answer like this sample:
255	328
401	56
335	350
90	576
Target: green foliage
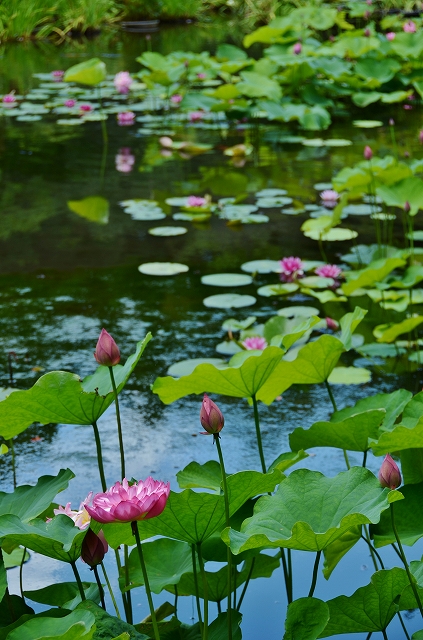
306	619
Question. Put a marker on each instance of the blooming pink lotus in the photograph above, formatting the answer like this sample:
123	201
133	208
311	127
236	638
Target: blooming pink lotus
329	198
195	116
196	201
128	503
57	74
123	82
85	108
329	271
9	99
201	76
70	103
391	35
124	160
80	518
107	352
176	98
254	342
126	118
389	474
211	417
291	269
409	27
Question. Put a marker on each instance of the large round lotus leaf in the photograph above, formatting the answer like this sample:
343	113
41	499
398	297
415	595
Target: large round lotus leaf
350	375
367	124
255	218
277	289
333	235
277	201
317	282
192	217
361	209
162	268
186	367
70	121
333	142
176	201
227	280
228	348
323	186
271	193
93	208
298	311
229	301
260	266
167	231
90	72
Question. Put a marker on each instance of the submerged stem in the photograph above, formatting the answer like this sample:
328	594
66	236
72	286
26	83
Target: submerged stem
135	531
258	433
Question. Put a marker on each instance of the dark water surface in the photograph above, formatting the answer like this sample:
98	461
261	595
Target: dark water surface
63	277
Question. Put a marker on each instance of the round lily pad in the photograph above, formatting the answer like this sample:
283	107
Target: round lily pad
228	348
146	214
255	218
186	367
229	301
276	201
317	282
162	268
367	124
69	121
331	142
298	311
291	211
167	231
333	235
226	280
271	193
277	289
192	217
237	211
176	201
28	118
383	216
260	266
361	209
322	186
349	375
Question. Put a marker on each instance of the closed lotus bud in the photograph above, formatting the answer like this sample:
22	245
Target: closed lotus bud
368	153
211	417
407	207
297	48
391	122
421	137
94	548
332	324
389	474
107	352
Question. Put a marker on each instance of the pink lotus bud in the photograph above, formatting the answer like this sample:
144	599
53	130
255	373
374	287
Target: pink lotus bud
107	352
94	548
421	136
297	48
389	474
391	35
367	33
367	153
332	324
86	108
407	207
211	417
201	76
391	122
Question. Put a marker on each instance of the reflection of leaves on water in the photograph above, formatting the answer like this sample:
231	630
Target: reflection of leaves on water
24	206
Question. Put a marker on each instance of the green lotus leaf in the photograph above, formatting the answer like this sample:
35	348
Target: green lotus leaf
335	551
309	511
201	476
61	397
390	332
411	277
287	460
393	404
352	434
408	519
306	619
78	625
90	72
408	190
375	272
15	558
64	594
108	626
350	375
94	209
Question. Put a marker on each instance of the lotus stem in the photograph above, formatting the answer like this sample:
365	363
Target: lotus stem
21	574
287	574
315	570
12	449
373	551
244	590
197	593
123	594
78	579
403	626
99	456
100	587
135	531
176	600
205	593
385	635
112	595
404	560
335	408
228	551
258	433
128	595
119	424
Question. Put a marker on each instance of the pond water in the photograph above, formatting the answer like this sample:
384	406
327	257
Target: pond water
63	277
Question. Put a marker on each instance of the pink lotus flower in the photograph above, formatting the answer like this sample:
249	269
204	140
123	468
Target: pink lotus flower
58	74
124	160
329	198
254	342
123	82
195	116
196	201
70	103
107	352
80	518
166	142
211	417
291	269
421	136
9	99
331	324
367	153
129	503
94	548
201	76
391	35
126	118
409	27
297	48
407	107
176	98
389	474
85	108
329	271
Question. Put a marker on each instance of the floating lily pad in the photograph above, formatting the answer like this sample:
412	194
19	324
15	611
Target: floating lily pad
272	202
322	186
229	301
260	266
237	211
291	211
361	209
298	311
70	121
186	367
277	289
367	124
228	348
333	235
226	280
255	218
331	142
192	217
383	216
176	201
167	231
350	375
317	282
162	268
28	118
271	193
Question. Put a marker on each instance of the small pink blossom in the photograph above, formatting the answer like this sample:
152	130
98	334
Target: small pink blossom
58	74
329	271
329	198
297	48
9	99
391	35
80	518
367	153
201	76
409	27
254	342
211	417
124	160
421	136
85	108
367	33
195	116
176	98
123	82
331	324
70	103
196	201
128	503
126	118
291	269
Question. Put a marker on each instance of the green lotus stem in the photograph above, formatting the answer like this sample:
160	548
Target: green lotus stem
404	560
197	593
364	458
403	625
228	524
78	580
135	531
119	424
129	616
258	433
112	595
21	574
385	635
315	570
322	251
99	456
12	449
7	594
205	593
289	555
373	551
335	408
100	587
369	635
244	590
176	600
287	576
123	594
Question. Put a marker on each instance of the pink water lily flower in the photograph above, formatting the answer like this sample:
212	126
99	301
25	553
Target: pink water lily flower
254	342
329	271
58	74
80	518
195	116
124	160
70	103
291	269
85	108
409	27
176	98
126	118
391	35
9	99
196	201
123	82
297	48
128	503
329	198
